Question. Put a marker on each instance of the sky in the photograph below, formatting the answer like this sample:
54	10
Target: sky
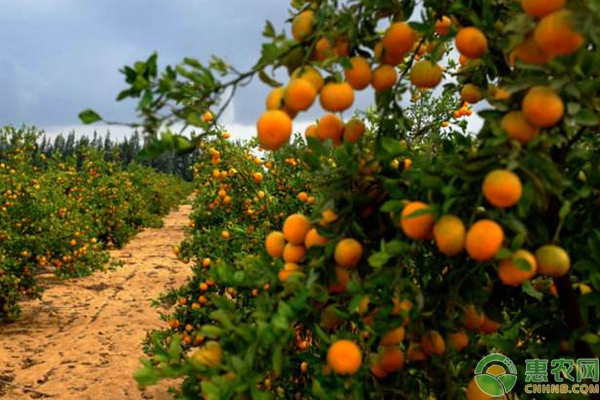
60	57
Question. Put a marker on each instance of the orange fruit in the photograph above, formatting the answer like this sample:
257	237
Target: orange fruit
342	278
442	26
312	131
300	94
211	354
295	228
359	75
387	58
348	253
518	128
415	353
302	25
462	60
489	325
530	52
472	319
337	96
470	93
484	240
502	188
426	74
433	343
293	253
539	8
449	233
377	370
391	359
458	340
288	270
542	107
310	74
275	243
327	217
274	129
323	49
474	393
393	337
471	42
313	238
331	127
555	36
275	98
384	78
511	274
399	39
354	130
552	261
416	227
344	357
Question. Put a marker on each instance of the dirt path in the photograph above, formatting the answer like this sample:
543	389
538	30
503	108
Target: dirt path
83	339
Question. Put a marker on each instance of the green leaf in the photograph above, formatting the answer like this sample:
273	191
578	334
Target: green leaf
590	338
391	206
89	116
586	118
530	290
269	31
379	259
267	79
391	146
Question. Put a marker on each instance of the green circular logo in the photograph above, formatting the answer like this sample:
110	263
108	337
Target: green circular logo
497	379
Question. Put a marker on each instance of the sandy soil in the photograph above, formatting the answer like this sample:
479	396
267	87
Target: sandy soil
83	339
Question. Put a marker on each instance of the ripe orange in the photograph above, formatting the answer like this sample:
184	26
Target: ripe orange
211	354
275	98
474	393
337	96
417	227
489	325
472	319
391	359
555	36
539	8
295	228
386	58
399	39
463	60
344	357
393	337
511	274
302	25
426	74
377	370
384	78
552	261
313	238
331	127
312	131
471	42
300	94
433	343
274	129
323	49
530	52
348	253
288	270
470	93
310	74
359	76
502	188
458	340
342	278
449	233
293	253
542	107
274	244
484	240
442	26
354	130
518	128
415	353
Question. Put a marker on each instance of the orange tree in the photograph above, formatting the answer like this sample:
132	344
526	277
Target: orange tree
60	215
479	243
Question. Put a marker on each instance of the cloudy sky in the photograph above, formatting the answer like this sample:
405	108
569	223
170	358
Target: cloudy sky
62	56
